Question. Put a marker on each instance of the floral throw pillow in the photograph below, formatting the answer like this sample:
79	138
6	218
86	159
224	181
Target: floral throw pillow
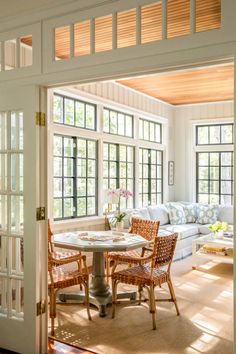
190	213
207	213
176	214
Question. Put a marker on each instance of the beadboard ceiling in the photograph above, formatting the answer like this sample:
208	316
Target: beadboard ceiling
199	85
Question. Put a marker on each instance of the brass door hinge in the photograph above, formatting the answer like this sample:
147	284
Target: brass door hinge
40	119
40	307
40	213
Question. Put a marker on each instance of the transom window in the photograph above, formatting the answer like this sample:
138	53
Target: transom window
118	169
150	131
117	123
75	177
73	112
150	177
214	134
215	177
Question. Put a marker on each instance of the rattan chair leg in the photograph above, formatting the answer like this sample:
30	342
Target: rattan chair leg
108	268
87	299
140	289
172	293
52	309
153	306
114	297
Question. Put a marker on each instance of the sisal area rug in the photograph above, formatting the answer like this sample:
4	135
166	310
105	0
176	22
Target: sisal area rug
205	299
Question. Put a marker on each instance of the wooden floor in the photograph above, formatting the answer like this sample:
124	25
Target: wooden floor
55	347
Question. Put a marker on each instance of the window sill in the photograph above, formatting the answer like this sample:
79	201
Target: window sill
72	224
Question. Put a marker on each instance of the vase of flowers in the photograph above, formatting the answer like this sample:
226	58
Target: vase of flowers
116	195
219	228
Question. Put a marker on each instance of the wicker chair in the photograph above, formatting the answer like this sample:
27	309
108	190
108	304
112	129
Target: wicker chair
146	228
67	256
60	277
149	276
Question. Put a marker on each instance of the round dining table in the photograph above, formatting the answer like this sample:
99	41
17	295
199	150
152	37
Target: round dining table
99	242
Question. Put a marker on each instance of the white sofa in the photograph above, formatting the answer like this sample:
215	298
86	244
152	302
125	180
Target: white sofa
186	232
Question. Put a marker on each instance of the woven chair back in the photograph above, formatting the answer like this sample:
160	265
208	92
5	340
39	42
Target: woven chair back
163	250
146	228
50	234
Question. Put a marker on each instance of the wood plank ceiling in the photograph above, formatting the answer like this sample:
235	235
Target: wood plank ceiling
206	84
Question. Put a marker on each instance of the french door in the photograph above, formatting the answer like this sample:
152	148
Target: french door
22	237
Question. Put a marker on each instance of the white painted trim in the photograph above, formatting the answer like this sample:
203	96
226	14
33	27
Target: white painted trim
76	93
212	121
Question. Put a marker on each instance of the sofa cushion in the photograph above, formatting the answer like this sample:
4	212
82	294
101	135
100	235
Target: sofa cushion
183	231
203	229
226	213
176	213
190	212
207	213
159	212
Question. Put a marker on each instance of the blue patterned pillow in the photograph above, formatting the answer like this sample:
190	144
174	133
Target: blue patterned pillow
207	213
190	213
176	214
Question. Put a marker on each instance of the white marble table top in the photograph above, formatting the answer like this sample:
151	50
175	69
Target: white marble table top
92	241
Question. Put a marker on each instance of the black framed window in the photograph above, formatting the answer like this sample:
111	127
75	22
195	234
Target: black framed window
214	134
118	169
75	177
73	112
150	131
118	123
215	177
150	177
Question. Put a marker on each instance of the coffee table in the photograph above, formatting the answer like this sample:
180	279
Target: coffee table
98	243
211	240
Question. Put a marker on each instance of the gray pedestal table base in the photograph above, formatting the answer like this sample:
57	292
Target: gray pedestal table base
99	292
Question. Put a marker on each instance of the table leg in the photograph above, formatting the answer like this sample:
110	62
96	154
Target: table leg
99	290
100	294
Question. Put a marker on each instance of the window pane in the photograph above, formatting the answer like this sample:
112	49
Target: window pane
68	207
57	187
91	149
69	111
91	168
203	186
152	131
81	206
90	116
146	130
106	120
91	206
112	152
57	208
129	126
227	134
68	167
202	135
121	124
113	122
68	187
57	145
81	168
122	153
140	129
215	179
158	133
91	187
81	148
57	166
80	114
215	134
68	147
57	109
81	187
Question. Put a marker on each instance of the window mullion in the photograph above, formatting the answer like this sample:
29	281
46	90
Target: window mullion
75	176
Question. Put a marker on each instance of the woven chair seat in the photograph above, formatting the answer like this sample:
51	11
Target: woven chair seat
69	256
141	275
63	278
127	257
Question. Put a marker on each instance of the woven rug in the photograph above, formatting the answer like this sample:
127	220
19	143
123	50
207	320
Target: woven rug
205	298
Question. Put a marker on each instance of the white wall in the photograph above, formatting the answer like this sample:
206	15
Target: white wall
184	117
